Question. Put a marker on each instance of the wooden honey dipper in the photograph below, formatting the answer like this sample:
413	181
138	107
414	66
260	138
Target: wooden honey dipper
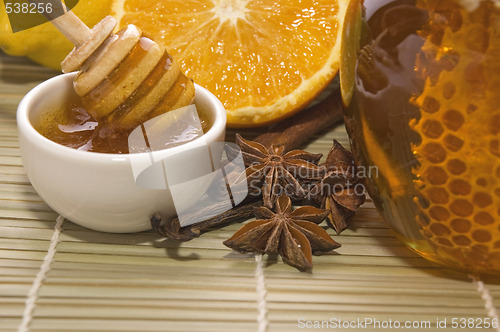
124	77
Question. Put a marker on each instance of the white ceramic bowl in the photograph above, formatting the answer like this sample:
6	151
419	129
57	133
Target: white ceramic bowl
98	190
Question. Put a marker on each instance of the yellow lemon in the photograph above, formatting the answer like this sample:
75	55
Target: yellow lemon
45	44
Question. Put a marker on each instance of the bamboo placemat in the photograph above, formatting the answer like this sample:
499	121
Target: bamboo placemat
142	282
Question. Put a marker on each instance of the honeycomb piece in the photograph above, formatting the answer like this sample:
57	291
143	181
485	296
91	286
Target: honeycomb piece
458	178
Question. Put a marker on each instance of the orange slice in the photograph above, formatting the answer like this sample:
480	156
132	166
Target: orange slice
264	60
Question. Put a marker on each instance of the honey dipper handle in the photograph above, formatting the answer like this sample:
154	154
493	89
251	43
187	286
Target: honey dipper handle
65	21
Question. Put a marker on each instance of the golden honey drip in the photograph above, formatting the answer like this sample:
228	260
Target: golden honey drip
458	178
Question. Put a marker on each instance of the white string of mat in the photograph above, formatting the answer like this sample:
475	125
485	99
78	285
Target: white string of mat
261	295
30	303
487	298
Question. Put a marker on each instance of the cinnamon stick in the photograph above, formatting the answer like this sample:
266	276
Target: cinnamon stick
291	133
296	130
173	230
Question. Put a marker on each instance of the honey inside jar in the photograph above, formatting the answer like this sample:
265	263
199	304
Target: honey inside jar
422	107
70	125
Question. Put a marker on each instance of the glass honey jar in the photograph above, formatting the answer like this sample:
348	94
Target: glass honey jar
420	83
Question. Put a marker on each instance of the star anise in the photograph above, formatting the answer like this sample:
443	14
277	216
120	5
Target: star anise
272	171
341	190
295	235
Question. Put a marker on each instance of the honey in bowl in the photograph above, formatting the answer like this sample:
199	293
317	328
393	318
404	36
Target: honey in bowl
421	88
102	191
71	125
